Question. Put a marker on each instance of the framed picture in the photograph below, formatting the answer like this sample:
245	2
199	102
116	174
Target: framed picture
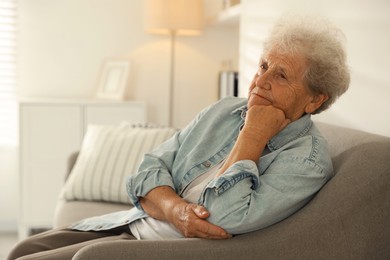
113	79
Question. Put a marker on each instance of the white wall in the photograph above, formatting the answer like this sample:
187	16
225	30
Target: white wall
9	188
63	43
367	27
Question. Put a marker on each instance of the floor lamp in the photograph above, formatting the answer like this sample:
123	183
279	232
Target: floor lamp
173	17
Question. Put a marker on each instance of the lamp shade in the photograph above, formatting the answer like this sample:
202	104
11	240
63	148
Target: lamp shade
178	16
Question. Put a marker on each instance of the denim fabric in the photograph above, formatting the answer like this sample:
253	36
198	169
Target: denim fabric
248	196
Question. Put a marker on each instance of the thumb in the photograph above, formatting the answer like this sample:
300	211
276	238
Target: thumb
201	212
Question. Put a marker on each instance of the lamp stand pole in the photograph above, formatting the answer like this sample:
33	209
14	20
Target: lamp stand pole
172	80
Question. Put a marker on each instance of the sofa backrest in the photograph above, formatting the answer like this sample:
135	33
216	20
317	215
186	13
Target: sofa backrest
343	142
342	138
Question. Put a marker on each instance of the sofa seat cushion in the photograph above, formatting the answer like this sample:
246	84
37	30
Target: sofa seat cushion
68	212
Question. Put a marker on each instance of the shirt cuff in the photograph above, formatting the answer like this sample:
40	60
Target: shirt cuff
234	174
141	184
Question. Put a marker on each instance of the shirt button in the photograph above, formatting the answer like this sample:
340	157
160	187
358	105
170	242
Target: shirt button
207	164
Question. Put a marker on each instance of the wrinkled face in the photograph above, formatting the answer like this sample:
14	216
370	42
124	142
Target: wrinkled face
279	82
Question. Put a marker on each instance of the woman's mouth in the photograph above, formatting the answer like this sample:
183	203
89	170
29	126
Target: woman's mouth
256	91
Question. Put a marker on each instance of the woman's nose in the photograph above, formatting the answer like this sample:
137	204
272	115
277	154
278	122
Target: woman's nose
263	81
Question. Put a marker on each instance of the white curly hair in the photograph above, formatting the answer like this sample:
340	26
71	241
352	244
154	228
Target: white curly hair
323	46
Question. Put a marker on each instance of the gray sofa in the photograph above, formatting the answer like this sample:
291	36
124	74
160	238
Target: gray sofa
348	219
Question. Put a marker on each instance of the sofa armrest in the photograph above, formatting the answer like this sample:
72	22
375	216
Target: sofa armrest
234	248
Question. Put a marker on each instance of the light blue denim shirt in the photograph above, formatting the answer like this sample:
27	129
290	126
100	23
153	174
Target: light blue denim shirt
248	196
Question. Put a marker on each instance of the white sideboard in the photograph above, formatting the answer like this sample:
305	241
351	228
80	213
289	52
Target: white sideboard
50	130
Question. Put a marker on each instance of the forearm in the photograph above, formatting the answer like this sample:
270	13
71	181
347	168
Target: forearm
190	219
249	146
261	124
159	202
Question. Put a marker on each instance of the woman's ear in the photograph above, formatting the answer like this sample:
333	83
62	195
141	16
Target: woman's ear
315	103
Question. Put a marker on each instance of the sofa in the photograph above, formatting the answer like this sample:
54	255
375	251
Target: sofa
349	218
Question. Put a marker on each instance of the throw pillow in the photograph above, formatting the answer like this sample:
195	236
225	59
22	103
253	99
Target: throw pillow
108	155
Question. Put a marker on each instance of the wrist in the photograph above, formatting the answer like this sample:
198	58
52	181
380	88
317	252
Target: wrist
160	202
254	134
173	209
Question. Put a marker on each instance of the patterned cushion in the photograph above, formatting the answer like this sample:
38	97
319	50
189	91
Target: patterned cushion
108	155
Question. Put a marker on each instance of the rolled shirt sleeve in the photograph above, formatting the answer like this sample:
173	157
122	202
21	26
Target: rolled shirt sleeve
154	171
241	200
158	167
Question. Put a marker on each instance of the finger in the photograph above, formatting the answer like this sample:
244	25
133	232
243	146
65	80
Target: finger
207	230
207	236
201	212
215	237
202	228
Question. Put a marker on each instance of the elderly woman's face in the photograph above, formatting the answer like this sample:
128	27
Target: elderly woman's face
279	82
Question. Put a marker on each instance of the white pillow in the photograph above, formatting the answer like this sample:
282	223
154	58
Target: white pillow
108	155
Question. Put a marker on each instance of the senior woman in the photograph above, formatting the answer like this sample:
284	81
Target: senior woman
241	164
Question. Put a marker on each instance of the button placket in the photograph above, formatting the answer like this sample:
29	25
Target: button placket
207	164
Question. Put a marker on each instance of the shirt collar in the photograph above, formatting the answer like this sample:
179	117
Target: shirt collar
291	132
